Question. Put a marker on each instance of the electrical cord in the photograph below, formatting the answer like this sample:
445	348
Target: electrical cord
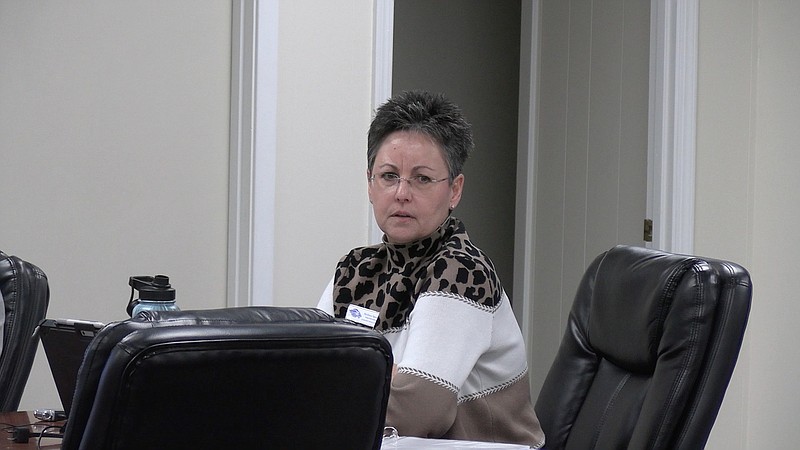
45	434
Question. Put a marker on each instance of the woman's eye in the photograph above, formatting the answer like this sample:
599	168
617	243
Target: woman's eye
423	179
389	176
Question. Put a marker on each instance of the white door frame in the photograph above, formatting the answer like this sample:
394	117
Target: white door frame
672	123
253	148
382	55
525	215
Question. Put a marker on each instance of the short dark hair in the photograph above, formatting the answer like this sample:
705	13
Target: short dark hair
430	114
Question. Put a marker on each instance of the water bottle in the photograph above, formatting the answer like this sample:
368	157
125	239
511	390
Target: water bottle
155	294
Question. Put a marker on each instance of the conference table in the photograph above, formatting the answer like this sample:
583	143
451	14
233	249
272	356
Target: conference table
25	418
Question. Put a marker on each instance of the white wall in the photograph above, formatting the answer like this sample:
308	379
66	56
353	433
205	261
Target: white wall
114	151
747	181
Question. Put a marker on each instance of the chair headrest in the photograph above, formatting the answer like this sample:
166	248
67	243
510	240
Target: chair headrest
633	294
232	316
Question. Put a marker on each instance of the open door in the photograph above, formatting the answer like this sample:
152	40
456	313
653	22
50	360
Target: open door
605	138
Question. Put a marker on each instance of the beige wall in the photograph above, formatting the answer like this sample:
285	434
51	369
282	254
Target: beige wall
725	155
114	141
114	128
114	136
747	181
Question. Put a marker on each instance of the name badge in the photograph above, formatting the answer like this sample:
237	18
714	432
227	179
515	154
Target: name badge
361	315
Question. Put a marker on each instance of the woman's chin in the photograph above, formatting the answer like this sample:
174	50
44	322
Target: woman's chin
397	235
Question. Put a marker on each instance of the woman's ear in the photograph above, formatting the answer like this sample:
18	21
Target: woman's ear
456	188
369	187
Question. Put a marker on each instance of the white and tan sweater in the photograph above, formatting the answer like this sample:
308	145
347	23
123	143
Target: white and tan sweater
461	364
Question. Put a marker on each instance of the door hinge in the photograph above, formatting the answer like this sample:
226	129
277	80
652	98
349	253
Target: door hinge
648	230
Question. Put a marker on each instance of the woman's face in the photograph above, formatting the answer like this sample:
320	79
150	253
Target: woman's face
404	212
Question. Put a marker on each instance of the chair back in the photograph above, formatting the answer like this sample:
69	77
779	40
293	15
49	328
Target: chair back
255	377
25	297
651	342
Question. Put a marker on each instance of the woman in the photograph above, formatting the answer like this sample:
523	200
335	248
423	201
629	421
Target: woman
461	370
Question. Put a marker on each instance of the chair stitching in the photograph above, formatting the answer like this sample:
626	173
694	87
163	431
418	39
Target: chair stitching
11	318
608	407
592	296
667	295
726	304
15	291
690	355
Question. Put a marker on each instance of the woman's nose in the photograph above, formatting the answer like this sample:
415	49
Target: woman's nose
403	190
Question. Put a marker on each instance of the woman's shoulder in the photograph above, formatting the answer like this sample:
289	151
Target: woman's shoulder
463	270
459	250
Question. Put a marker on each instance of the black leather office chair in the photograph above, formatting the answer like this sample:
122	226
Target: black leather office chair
25	298
255	377
650	345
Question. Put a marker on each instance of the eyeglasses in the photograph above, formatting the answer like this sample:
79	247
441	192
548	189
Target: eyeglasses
388	180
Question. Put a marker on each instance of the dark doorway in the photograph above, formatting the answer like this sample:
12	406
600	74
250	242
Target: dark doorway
469	50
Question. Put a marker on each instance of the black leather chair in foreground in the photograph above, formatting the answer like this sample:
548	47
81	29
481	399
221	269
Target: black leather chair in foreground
255	377
25	294
650	345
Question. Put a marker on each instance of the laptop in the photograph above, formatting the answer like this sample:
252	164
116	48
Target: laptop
64	342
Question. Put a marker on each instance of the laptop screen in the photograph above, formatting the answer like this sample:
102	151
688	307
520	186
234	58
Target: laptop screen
65	341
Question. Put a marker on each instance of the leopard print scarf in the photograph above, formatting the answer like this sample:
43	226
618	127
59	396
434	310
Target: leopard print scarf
389	278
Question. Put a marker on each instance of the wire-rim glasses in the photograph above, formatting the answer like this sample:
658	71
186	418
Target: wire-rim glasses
389	180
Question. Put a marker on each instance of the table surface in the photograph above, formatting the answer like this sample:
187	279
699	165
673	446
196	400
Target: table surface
415	443
22	418
25	418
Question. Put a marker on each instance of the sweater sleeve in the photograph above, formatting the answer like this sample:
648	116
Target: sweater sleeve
447	333
326	300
